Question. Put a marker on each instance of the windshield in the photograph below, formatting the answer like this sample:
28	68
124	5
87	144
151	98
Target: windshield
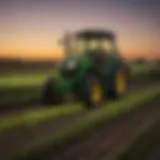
79	46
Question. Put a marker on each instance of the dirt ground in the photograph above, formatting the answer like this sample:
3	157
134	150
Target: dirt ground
146	147
102	144
14	140
109	142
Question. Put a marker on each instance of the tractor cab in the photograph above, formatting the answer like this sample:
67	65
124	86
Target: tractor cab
98	44
92	42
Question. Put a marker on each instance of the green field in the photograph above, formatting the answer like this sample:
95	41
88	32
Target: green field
21	88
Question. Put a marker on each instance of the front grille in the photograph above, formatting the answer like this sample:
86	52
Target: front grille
68	72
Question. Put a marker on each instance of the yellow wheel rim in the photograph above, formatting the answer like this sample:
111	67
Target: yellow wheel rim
121	83
96	93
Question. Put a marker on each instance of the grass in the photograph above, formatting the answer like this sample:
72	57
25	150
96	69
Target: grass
91	122
21	88
11	81
13	96
140	71
35	117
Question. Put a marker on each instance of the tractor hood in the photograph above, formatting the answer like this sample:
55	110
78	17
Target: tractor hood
75	61
75	66
70	62
71	71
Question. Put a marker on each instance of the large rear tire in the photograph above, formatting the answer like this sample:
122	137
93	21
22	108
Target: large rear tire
49	97
91	93
120	84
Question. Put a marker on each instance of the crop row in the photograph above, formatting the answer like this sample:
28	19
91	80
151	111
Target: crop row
35	117
92	121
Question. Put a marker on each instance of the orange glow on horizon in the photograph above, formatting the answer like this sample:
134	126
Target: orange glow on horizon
55	55
30	29
46	48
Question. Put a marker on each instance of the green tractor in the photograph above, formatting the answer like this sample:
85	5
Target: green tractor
92	70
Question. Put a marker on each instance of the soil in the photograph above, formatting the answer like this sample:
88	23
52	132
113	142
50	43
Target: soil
18	138
146	147
103	144
17	109
152	154
112	140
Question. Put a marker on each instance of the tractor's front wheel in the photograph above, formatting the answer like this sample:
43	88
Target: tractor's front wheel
49	97
91	93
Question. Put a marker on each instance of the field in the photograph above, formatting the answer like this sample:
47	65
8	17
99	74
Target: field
25	88
29	130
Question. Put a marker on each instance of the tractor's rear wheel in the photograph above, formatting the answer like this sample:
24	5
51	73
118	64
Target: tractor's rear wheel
49	97
91	93
120	84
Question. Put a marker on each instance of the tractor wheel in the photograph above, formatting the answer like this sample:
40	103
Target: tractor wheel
91	93
49	97
120	84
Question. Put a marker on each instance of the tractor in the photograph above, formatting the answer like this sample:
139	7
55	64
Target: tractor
92	70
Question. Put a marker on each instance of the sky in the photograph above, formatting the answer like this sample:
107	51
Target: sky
30	29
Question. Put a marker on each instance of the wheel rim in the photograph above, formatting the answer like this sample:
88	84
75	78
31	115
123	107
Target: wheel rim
121	83
96	93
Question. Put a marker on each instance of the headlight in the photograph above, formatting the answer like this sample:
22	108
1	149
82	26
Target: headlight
70	68
71	65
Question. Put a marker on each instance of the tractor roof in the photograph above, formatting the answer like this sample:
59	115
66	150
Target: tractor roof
99	34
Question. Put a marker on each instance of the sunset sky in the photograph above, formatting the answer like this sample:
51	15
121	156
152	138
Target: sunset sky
29	29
